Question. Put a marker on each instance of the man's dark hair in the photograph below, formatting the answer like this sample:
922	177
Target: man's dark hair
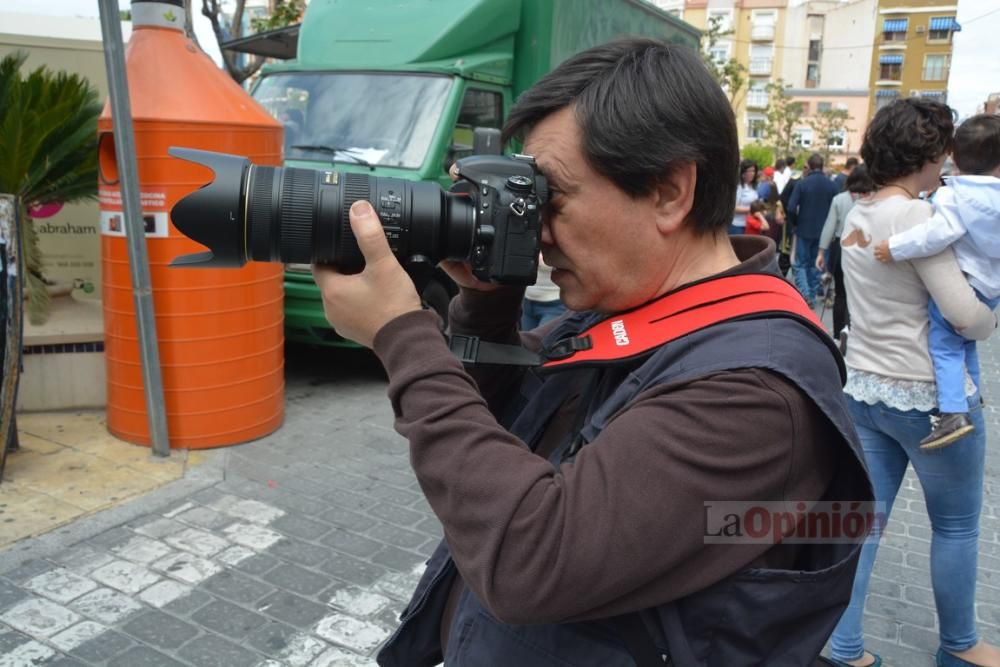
977	144
851	162
779	165
644	107
904	136
815	162
790	161
859	181
747	164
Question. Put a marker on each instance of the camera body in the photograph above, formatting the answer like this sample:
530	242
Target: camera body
490	218
509	194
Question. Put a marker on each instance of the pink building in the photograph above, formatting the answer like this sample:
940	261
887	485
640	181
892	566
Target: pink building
855	102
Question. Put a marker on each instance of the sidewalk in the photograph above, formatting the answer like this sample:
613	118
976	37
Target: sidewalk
300	549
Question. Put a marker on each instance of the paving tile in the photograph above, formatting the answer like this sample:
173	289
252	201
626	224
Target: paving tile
109	644
198	542
252	536
37	617
77	635
143	656
227	619
82	558
361	636
10	594
248	510
292	647
159	629
296	579
209	651
142	549
301	527
60	585
237	587
10	638
24	655
292	609
189	603
357	601
106	605
336	657
352	570
125	576
164	592
303	553
160	527
187	567
205	517
29	569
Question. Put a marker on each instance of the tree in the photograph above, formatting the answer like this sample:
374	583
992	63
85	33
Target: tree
48	137
730	74
781	118
828	125
281	13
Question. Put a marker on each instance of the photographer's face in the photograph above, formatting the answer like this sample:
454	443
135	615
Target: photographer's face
602	244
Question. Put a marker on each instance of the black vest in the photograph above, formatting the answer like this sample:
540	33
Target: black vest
753	617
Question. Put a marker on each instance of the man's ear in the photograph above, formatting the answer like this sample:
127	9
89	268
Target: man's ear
674	197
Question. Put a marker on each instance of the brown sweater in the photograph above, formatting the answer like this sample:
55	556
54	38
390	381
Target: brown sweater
621	528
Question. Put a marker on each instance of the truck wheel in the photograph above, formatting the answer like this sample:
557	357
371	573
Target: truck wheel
436	297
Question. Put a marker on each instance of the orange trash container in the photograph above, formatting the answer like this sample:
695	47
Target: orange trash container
220	331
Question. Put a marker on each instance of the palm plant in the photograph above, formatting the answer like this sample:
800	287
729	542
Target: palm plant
48	152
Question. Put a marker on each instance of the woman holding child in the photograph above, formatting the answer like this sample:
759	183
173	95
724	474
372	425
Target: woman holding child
891	388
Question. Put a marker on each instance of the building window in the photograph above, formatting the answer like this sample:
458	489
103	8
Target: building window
940	28
936	67
724	17
755	126
890	67
762	28
815	48
803	137
894	30
933	95
837	140
812	75
823	106
805	106
719	54
884	98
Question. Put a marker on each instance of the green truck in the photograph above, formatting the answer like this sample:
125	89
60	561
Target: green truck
403	89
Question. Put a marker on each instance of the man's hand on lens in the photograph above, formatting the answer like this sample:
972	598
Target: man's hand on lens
358	306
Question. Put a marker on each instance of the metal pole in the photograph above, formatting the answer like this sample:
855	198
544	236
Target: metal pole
142	292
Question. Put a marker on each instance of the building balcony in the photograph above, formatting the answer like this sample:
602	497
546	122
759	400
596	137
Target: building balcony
760	66
762	33
757	99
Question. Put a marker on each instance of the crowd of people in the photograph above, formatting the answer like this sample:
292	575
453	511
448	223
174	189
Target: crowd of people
917	256
576	496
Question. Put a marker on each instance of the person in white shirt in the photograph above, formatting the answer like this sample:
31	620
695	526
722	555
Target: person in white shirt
541	300
783	172
746	194
966	217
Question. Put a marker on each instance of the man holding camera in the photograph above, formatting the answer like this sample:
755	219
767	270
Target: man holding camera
574	498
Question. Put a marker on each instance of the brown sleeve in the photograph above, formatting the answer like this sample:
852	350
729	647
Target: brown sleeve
622	527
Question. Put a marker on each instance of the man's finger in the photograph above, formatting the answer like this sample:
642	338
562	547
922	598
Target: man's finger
368	231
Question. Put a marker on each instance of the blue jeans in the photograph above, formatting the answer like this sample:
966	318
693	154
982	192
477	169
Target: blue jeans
952	353
536	313
952	480
806	273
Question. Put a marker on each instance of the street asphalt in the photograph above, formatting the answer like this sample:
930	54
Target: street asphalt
300	549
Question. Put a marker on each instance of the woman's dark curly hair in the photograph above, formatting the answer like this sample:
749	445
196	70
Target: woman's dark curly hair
906	135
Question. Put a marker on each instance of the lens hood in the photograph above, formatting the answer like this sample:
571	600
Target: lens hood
214	215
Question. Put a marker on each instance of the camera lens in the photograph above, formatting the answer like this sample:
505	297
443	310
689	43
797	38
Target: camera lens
294	215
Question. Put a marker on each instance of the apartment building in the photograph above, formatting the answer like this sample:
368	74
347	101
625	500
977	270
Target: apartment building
821	49
913	54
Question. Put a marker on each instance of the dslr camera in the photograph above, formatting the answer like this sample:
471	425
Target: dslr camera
490	218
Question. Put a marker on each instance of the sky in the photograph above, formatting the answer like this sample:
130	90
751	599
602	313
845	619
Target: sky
975	65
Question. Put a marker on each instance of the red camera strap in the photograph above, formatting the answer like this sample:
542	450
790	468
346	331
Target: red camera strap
679	313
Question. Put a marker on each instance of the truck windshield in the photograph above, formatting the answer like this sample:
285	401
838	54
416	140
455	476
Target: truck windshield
383	119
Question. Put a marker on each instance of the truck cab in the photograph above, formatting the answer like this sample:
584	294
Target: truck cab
400	89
